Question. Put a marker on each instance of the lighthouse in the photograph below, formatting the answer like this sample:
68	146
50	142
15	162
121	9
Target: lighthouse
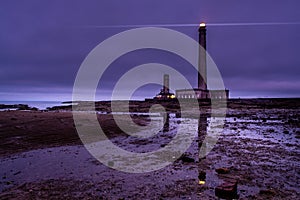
202	91
202	68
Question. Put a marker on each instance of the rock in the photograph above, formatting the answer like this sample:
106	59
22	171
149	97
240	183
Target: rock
187	159
18	127
270	130
111	163
222	170
17	173
267	192
227	190
202	175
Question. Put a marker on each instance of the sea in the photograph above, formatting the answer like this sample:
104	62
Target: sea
41	105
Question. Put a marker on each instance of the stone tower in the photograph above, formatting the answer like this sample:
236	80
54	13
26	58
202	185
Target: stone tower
202	75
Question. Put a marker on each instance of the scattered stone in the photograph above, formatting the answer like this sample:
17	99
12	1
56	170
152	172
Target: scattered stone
270	130
227	190
187	159
162	145
202	175
222	170
8	182
267	192
111	163
17	173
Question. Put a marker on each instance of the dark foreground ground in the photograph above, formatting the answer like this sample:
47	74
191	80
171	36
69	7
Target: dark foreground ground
42	156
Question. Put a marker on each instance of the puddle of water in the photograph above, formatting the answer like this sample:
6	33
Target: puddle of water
75	162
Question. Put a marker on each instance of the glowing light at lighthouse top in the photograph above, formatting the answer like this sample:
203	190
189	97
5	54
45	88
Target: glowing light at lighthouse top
202	24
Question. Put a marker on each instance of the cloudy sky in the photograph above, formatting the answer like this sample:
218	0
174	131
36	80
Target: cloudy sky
43	43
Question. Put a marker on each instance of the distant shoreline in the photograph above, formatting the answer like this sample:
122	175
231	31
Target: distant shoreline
146	104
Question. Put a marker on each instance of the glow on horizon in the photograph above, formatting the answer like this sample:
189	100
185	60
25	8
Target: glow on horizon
139	96
194	25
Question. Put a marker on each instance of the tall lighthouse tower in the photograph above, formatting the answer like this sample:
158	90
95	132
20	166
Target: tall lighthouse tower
202	91
202	68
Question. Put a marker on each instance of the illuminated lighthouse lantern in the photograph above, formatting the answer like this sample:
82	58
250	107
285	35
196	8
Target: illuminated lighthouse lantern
202	24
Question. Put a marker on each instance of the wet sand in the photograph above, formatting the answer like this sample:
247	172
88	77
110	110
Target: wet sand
261	149
43	157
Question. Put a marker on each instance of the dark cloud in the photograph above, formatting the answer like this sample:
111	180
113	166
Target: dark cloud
42	43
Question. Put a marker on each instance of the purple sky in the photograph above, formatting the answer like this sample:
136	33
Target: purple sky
43	43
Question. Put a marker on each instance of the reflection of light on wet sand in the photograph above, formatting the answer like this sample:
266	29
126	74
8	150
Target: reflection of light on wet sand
201	182
144	146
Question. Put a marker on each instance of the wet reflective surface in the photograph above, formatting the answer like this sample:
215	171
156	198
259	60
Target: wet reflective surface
74	163
258	147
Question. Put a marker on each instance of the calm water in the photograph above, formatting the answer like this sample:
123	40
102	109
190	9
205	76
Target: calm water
38	104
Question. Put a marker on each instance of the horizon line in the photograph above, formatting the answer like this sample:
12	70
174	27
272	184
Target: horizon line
194	25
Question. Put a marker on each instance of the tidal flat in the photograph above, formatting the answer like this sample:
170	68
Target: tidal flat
42	156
